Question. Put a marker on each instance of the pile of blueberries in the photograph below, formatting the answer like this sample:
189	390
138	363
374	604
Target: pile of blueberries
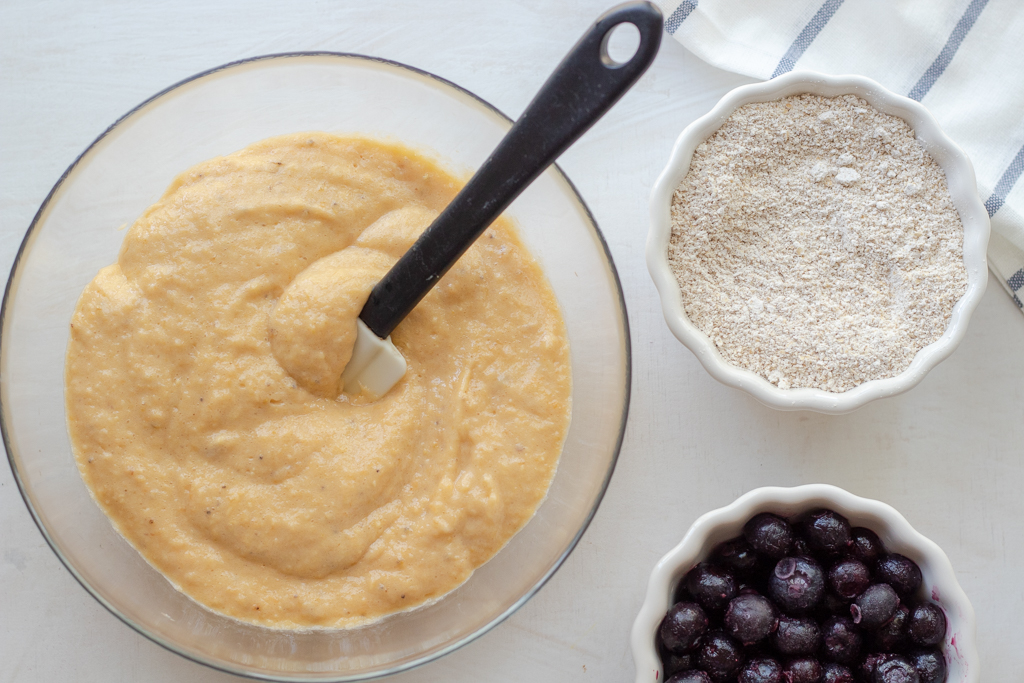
815	601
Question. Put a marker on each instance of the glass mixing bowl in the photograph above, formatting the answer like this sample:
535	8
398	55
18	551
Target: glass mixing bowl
79	229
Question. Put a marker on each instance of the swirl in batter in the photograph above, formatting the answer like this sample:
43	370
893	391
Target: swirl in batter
202	388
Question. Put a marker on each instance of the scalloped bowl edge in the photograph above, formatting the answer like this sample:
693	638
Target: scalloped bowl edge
896	533
962	184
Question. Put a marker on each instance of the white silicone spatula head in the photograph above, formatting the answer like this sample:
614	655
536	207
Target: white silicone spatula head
375	367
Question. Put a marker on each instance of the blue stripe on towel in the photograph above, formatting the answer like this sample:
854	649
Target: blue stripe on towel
960	32
1013	293
1005	184
679	16
807	36
1016	280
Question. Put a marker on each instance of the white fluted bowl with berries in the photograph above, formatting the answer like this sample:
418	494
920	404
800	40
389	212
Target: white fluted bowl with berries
939	581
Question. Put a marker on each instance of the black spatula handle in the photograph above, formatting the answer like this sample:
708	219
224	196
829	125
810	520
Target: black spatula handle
583	87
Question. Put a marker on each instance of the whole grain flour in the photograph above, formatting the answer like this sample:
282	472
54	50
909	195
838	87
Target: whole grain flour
815	242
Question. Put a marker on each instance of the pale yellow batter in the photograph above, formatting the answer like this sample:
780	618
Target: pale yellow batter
202	388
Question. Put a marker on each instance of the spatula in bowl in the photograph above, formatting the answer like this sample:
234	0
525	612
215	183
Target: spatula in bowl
582	88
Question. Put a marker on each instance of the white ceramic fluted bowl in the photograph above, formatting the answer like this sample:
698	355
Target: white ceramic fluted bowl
962	187
892	528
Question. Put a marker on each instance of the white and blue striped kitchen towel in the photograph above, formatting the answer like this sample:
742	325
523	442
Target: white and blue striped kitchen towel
963	59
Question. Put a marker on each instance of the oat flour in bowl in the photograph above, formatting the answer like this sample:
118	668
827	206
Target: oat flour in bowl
815	242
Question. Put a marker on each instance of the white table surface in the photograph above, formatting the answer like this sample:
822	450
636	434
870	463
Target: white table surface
948	454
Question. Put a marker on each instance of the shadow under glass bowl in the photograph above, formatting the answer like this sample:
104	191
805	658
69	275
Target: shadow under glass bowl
79	230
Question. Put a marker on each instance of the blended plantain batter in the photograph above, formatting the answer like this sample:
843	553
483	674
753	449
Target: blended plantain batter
202	388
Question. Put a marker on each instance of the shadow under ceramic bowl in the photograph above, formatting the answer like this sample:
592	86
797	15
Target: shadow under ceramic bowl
712	528
78	231
963	190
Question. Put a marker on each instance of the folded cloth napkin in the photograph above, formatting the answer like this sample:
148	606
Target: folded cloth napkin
963	59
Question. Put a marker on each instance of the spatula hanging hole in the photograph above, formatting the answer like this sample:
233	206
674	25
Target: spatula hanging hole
619	45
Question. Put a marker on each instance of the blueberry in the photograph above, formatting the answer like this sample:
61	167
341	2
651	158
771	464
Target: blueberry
836	673
769	534
797	584
693	676
797	636
803	670
682	627
737	554
827	531
867	666
875	606
848	578
930	665
900	572
761	670
865	545
750	618
842	640
892	636
927	624
720	656
711	586
896	669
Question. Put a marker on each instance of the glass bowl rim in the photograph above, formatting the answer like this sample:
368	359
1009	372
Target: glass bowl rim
453	646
